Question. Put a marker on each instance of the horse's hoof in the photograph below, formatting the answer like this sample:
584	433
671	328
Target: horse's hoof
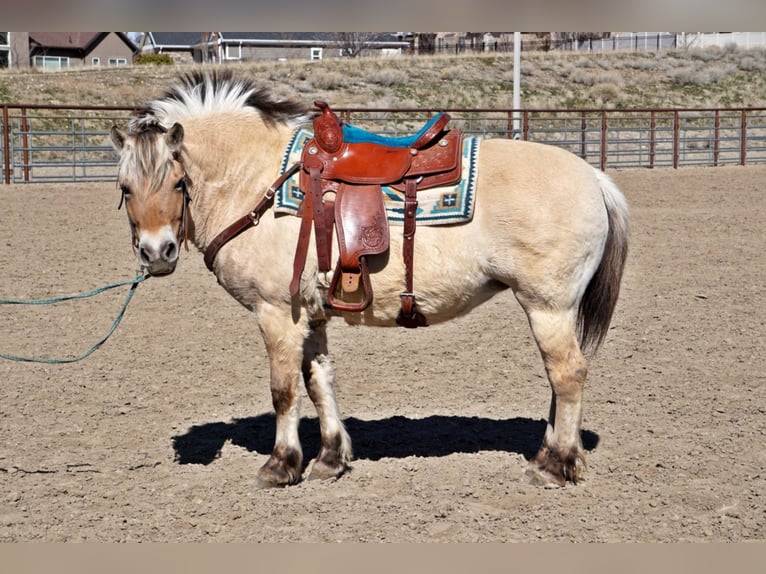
323	471
540	477
276	474
264	483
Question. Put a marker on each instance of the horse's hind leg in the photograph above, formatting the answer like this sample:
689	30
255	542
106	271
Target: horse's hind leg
318	374
561	455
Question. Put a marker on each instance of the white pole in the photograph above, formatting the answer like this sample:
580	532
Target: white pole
516	85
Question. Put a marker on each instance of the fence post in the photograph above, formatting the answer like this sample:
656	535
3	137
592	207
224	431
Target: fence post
25	143
716	130
652	136
6	146
583	127
525	124
676	131
743	138
603	140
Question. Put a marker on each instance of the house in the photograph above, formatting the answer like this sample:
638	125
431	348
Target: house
62	50
14	50
183	47
248	46
217	47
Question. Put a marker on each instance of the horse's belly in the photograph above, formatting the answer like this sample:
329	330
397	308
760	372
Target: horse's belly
447	282
436	307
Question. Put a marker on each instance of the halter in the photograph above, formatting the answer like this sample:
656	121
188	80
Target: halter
184	183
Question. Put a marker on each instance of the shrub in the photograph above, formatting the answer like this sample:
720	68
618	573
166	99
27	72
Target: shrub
605	92
581	76
701	76
153	59
329	81
586	78
707	54
452	72
387	77
751	64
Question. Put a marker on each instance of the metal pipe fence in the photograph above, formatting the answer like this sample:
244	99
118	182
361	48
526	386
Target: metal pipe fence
616	139
59	143
71	143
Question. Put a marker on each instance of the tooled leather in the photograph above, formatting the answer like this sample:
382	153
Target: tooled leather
361	223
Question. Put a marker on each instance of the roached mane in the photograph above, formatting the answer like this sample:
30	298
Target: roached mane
201	92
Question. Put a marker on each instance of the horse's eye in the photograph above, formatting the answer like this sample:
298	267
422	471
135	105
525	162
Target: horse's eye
180	185
124	194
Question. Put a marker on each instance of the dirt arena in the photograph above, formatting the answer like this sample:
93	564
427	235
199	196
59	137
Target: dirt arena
157	436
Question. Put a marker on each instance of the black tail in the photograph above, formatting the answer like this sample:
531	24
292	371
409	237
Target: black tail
601	294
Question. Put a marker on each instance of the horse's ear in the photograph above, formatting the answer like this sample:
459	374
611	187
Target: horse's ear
118	138
175	136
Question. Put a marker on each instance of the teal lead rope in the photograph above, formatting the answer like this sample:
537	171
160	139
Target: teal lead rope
133	285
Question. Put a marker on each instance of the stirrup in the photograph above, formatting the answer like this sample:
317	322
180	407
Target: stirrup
364	274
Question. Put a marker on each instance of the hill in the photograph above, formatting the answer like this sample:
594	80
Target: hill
682	78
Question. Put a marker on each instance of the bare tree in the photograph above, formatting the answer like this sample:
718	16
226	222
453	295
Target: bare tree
353	44
426	43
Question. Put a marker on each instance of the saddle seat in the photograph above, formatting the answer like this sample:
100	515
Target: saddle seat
353	134
343	169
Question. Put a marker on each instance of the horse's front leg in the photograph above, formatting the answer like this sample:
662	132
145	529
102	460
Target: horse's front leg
319	376
284	345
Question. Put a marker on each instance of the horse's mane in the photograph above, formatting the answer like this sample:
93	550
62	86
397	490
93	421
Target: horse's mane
204	92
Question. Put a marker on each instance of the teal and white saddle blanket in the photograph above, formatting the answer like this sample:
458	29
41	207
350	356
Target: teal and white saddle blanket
437	206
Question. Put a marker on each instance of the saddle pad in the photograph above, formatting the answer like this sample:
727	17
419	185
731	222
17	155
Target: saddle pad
437	206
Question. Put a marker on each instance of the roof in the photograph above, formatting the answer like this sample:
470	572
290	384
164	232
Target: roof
274	36
69	40
175	39
187	40
76	41
319	38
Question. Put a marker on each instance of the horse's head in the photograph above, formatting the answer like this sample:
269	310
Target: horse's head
153	183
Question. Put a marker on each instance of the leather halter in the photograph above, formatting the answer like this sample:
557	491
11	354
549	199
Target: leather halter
183	231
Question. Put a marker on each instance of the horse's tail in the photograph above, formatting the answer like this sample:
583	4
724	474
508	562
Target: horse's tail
600	297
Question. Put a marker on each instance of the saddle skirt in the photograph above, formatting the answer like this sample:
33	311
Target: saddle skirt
436	206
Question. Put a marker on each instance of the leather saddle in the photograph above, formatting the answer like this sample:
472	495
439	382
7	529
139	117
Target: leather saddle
343	169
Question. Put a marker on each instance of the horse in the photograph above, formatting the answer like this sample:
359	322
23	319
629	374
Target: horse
547	225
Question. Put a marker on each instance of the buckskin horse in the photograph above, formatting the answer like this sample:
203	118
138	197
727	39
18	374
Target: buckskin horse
203	158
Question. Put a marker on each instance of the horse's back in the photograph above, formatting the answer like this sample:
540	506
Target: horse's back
529	176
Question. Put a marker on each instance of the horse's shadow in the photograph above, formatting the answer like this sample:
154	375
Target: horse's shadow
393	437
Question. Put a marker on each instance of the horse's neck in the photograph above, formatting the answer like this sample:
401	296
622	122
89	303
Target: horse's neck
231	172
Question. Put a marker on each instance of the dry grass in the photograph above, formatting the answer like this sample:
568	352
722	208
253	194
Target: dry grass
711	77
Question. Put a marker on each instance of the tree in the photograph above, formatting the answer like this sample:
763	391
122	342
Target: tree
426	43
353	44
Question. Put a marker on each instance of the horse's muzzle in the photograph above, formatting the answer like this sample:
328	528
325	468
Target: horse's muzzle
158	257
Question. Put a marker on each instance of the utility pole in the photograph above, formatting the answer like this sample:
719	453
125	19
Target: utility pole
516	134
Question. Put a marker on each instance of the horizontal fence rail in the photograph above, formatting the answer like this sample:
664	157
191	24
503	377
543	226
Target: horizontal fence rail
59	143
71	143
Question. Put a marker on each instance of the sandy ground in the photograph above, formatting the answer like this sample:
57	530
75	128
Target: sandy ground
157	436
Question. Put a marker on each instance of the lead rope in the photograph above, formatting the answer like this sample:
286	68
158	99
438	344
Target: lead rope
133	285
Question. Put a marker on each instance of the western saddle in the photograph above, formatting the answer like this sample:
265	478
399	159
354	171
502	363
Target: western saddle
343	169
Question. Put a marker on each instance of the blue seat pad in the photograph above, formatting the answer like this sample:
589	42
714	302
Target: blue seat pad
353	134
